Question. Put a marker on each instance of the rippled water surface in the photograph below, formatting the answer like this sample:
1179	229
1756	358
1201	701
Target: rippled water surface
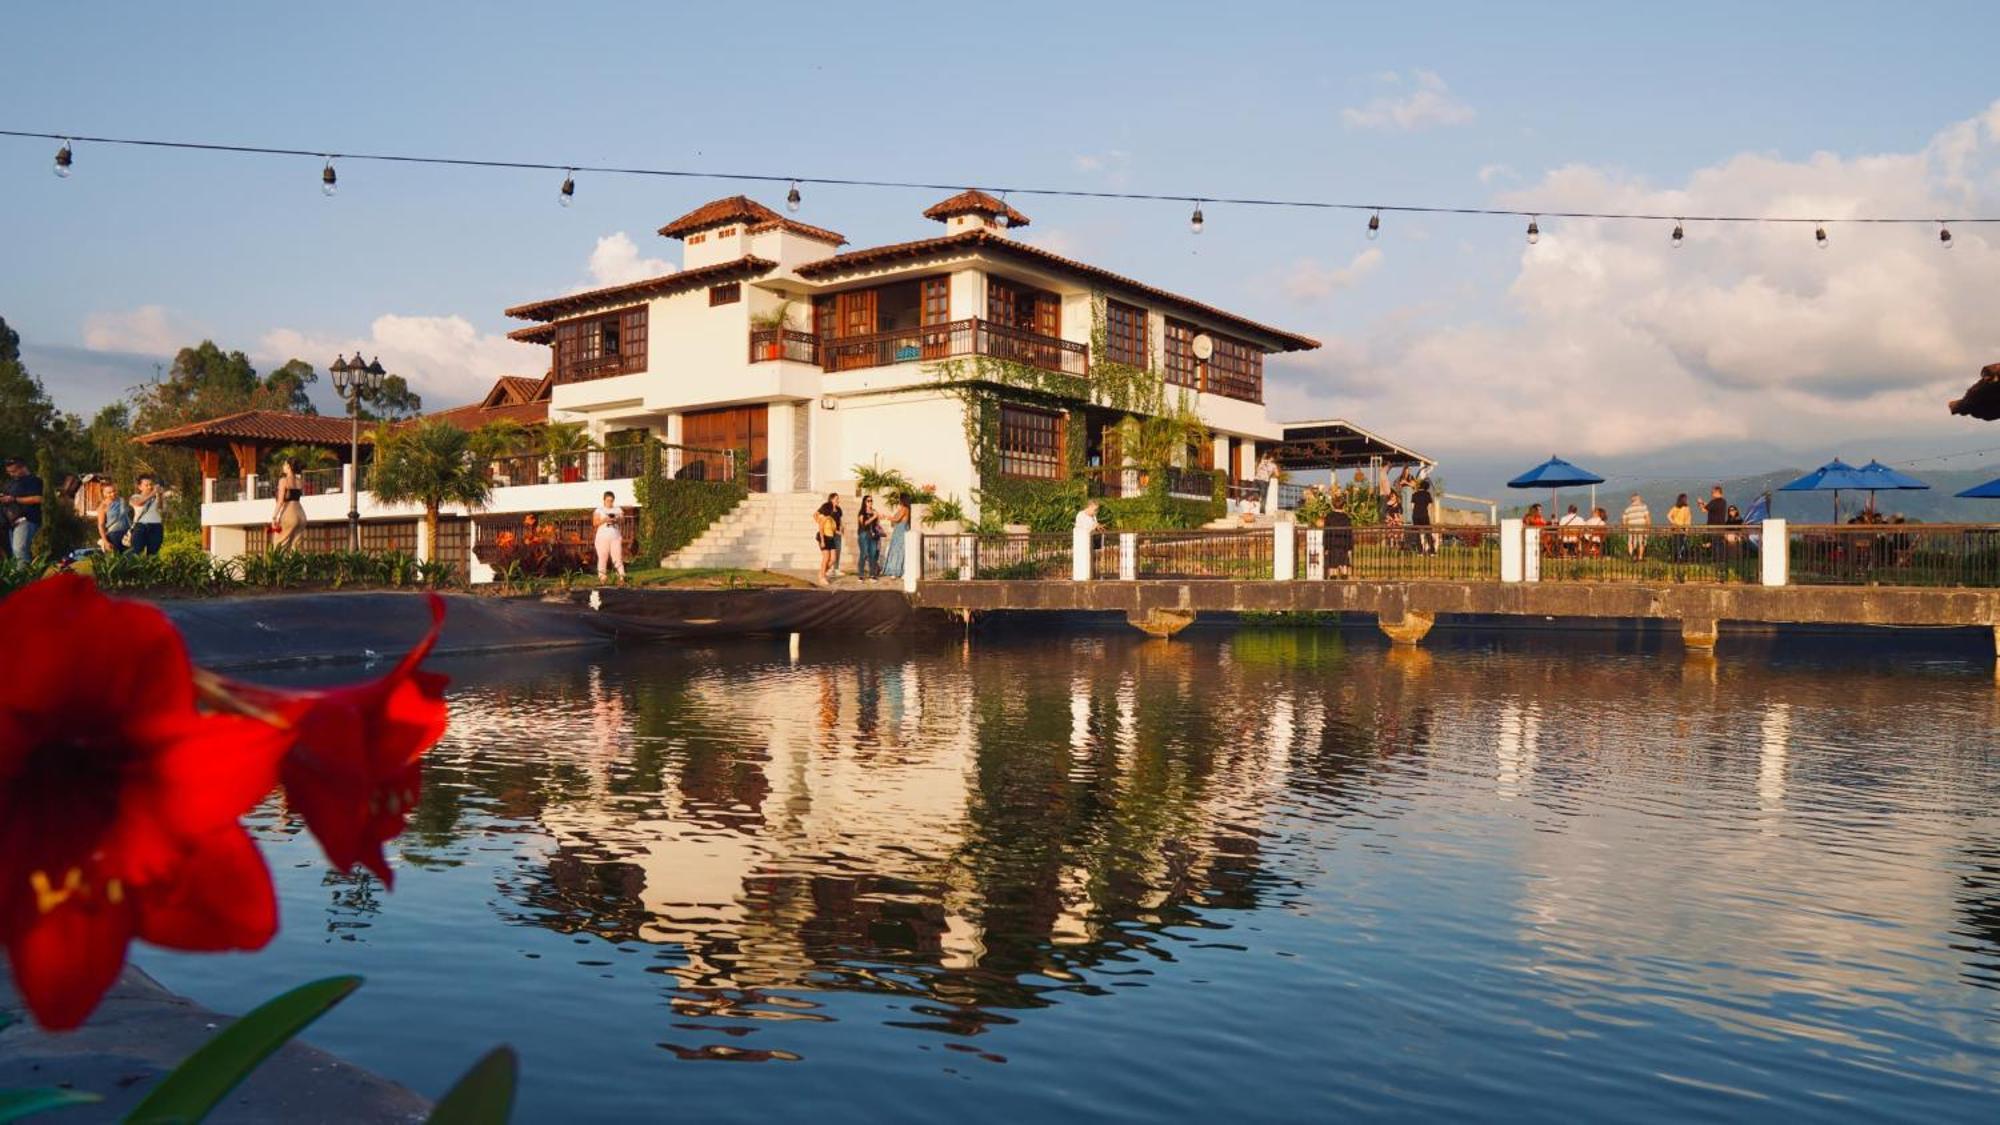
1260	875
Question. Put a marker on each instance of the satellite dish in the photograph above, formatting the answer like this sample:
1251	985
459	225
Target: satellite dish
1203	346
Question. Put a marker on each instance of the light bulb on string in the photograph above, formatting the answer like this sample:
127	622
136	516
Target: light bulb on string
1944	237
63	161
1375	226
566	194
1195	220
792	198
1819	236
1534	230
1679	234
328	181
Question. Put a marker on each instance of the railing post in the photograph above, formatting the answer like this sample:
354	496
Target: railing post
1284	550
1512	547
208	490
1777	549
249	487
1531	554
1079	554
1128	556
913	560
1316	554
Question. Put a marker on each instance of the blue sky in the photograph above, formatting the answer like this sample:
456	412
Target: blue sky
1436	333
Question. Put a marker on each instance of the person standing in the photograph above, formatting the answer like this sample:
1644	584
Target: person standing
609	538
1338	539
868	540
899	526
23	490
288	519
1718	508
826	533
1421	504
1267	480
1636	515
149	528
114	519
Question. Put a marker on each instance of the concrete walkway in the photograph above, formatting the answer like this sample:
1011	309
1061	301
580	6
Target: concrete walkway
143	1030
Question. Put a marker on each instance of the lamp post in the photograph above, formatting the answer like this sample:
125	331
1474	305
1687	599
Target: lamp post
351	380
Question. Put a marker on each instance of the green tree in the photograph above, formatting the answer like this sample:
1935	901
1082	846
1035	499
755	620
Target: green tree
501	437
289	386
392	401
207	382
429	463
26	413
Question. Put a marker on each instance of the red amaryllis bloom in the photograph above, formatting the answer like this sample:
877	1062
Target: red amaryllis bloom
118	800
355	769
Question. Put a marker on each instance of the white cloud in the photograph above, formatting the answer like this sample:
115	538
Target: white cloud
1613	343
1311	280
1488	173
147	330
444	358
1428	103
616	261
1114	165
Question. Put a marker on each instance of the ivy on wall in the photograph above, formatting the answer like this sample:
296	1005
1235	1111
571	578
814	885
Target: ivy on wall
672	513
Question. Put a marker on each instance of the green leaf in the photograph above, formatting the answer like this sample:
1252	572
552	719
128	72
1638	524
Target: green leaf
16	1104
204	1078
484	1095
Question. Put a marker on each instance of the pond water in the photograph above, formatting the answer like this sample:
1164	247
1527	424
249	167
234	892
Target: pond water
1253	875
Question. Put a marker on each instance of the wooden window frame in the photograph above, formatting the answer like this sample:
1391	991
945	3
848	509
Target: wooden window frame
1128	334
600	345
1235	370
1032	443
728	293
1180	367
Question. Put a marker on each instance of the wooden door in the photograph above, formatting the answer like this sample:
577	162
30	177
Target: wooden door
707	433
856	318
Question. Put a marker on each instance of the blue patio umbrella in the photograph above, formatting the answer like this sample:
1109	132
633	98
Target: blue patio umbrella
1988	491
1890	480
1552	474
1836	476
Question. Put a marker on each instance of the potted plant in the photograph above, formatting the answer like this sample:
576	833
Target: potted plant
771	343
565	445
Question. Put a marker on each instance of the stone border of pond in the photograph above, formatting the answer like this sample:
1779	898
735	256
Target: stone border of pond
143	1030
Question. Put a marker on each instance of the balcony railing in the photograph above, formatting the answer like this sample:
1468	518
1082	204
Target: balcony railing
1185	484
956	338
1895	554
227	489
312	482
767	344
617	463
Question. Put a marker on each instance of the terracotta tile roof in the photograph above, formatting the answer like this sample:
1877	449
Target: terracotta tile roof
474	415
983	241
510	389
554	307
266	426
745	210
974	202
534	334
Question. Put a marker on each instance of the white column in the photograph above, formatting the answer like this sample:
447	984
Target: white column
1128	556
778	450
208	490
1777	553
1510	550
913	559
1531	554
1079	554
249	487
1284	555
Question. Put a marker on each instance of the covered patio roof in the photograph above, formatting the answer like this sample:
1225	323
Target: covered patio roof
1336	443
248	434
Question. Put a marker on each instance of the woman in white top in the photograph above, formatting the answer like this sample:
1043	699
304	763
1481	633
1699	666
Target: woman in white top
610	541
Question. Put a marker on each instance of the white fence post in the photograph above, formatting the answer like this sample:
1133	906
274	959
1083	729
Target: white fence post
1128	556
1531	554
1316	554
1511	550
913	560
1079	554
208	490
1284	550
968	557
1777	553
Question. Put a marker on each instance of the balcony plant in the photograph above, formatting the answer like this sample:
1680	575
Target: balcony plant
564	446
773	323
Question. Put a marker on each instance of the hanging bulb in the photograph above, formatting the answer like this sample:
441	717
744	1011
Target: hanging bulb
1534	231
567	193
1194	220
1375	226
1679	234
327	180
62	161
1944	237
1819	235
792	198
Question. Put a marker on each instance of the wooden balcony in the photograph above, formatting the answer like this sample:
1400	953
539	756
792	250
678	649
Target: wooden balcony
768	344
951	340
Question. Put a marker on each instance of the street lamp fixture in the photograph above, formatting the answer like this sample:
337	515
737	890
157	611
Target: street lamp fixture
351	380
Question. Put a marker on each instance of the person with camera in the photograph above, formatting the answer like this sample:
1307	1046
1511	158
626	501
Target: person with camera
23	509
149	528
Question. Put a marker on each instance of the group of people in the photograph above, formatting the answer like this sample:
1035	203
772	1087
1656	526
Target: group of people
1578	534
136	524
878	537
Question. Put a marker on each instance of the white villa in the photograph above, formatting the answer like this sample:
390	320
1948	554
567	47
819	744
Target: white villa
809	358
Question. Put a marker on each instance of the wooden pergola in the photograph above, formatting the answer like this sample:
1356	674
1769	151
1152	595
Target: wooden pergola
249	434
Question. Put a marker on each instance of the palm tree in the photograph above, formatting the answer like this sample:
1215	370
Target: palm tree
428	463
563	443
501	437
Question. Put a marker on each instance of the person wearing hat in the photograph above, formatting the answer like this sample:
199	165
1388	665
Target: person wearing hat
23	511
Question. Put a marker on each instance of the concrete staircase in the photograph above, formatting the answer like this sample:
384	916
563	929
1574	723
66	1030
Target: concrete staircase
767	531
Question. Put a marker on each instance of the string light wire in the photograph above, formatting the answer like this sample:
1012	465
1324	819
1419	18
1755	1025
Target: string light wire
1047	192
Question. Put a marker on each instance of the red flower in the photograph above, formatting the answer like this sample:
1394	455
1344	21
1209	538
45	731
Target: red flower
356	768
118	800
